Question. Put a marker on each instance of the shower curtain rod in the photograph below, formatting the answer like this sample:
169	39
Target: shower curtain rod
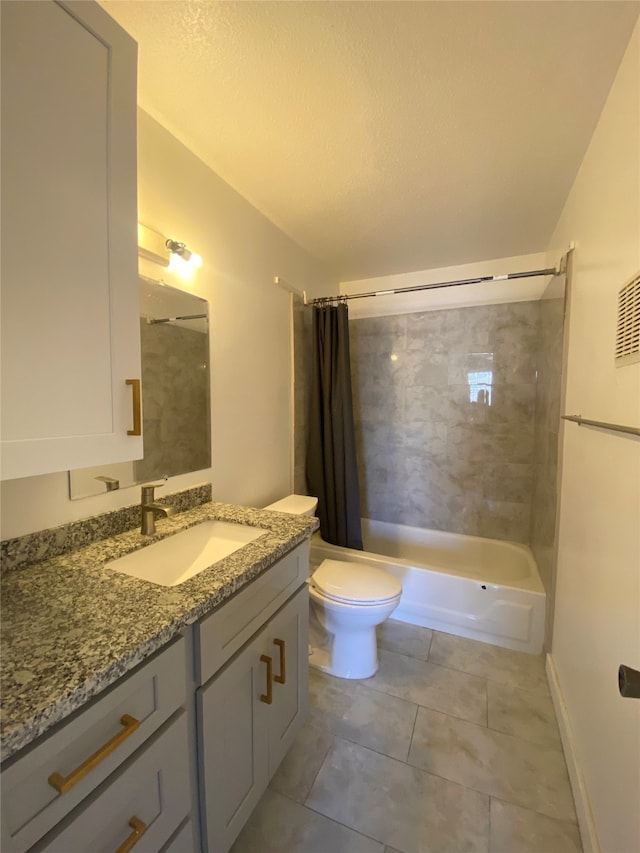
324	300
173	319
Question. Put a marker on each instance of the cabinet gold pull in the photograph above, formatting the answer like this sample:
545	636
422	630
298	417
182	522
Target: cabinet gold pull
63	784
267	697
282	678
139	828
137	407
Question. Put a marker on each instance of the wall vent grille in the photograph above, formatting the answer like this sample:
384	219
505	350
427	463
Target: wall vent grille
628	329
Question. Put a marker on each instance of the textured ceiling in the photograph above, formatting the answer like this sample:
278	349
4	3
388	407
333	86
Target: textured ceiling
386	136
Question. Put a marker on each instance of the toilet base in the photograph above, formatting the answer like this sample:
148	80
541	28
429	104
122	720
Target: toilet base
347	659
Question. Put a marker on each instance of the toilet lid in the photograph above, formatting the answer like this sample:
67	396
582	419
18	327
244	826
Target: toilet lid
356	582
296	504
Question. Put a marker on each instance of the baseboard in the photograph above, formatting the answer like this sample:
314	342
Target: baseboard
586	823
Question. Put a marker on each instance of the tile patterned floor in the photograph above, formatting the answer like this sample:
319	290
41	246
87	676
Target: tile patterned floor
452	746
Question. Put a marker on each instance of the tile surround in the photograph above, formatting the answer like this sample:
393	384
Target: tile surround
428	456
464	786
453	463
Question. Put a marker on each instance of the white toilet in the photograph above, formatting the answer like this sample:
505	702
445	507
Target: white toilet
348	600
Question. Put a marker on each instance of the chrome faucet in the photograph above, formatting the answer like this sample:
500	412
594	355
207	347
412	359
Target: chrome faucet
149	508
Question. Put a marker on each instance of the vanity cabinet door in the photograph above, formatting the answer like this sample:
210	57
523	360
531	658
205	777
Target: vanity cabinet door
233	741
70	327
287	639
248	718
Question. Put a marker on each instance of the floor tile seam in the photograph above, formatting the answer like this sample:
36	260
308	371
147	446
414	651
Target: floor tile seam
320	766
454	782
572	823
486	693
420	770
413	729
486	725
344	825
497	731
441	666
484	679
326	817
557	748
490	826
487	678
430	644
382	648
491	796
364	684
539	691
429	708
366	746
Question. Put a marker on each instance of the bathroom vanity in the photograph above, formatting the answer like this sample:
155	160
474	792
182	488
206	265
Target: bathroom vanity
155	716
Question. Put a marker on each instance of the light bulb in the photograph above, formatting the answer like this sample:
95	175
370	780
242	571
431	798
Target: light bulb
182	268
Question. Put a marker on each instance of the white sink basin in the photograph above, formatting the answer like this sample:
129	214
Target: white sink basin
179	557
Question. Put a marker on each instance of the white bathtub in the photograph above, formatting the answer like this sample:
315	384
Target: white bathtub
484	589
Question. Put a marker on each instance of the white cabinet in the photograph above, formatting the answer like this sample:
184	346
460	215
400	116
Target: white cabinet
70	333
248	716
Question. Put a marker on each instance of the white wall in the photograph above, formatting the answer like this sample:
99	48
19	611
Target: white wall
250	349
597	609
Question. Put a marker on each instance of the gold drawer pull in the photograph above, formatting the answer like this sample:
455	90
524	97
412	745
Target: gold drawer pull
282	678
267	697
63	784
137	407
139	828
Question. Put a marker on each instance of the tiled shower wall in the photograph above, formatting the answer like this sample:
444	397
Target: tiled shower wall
444	405
456	415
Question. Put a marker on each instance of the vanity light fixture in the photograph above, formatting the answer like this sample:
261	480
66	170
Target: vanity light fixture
180	250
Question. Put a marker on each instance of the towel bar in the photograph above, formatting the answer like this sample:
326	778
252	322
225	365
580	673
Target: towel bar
578	419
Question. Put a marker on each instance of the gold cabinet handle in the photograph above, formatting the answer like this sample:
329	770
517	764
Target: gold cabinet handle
267	697
139	828
282	678
63	784
137	407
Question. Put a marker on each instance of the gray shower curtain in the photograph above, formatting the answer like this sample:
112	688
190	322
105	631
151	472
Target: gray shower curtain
332	471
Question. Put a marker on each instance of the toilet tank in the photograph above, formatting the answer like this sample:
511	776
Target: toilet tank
295	504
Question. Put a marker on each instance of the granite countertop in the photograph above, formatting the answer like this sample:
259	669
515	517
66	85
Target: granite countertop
71	626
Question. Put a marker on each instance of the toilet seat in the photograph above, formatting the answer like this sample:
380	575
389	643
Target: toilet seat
355	583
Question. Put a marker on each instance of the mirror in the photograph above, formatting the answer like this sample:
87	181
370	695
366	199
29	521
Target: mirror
176	415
